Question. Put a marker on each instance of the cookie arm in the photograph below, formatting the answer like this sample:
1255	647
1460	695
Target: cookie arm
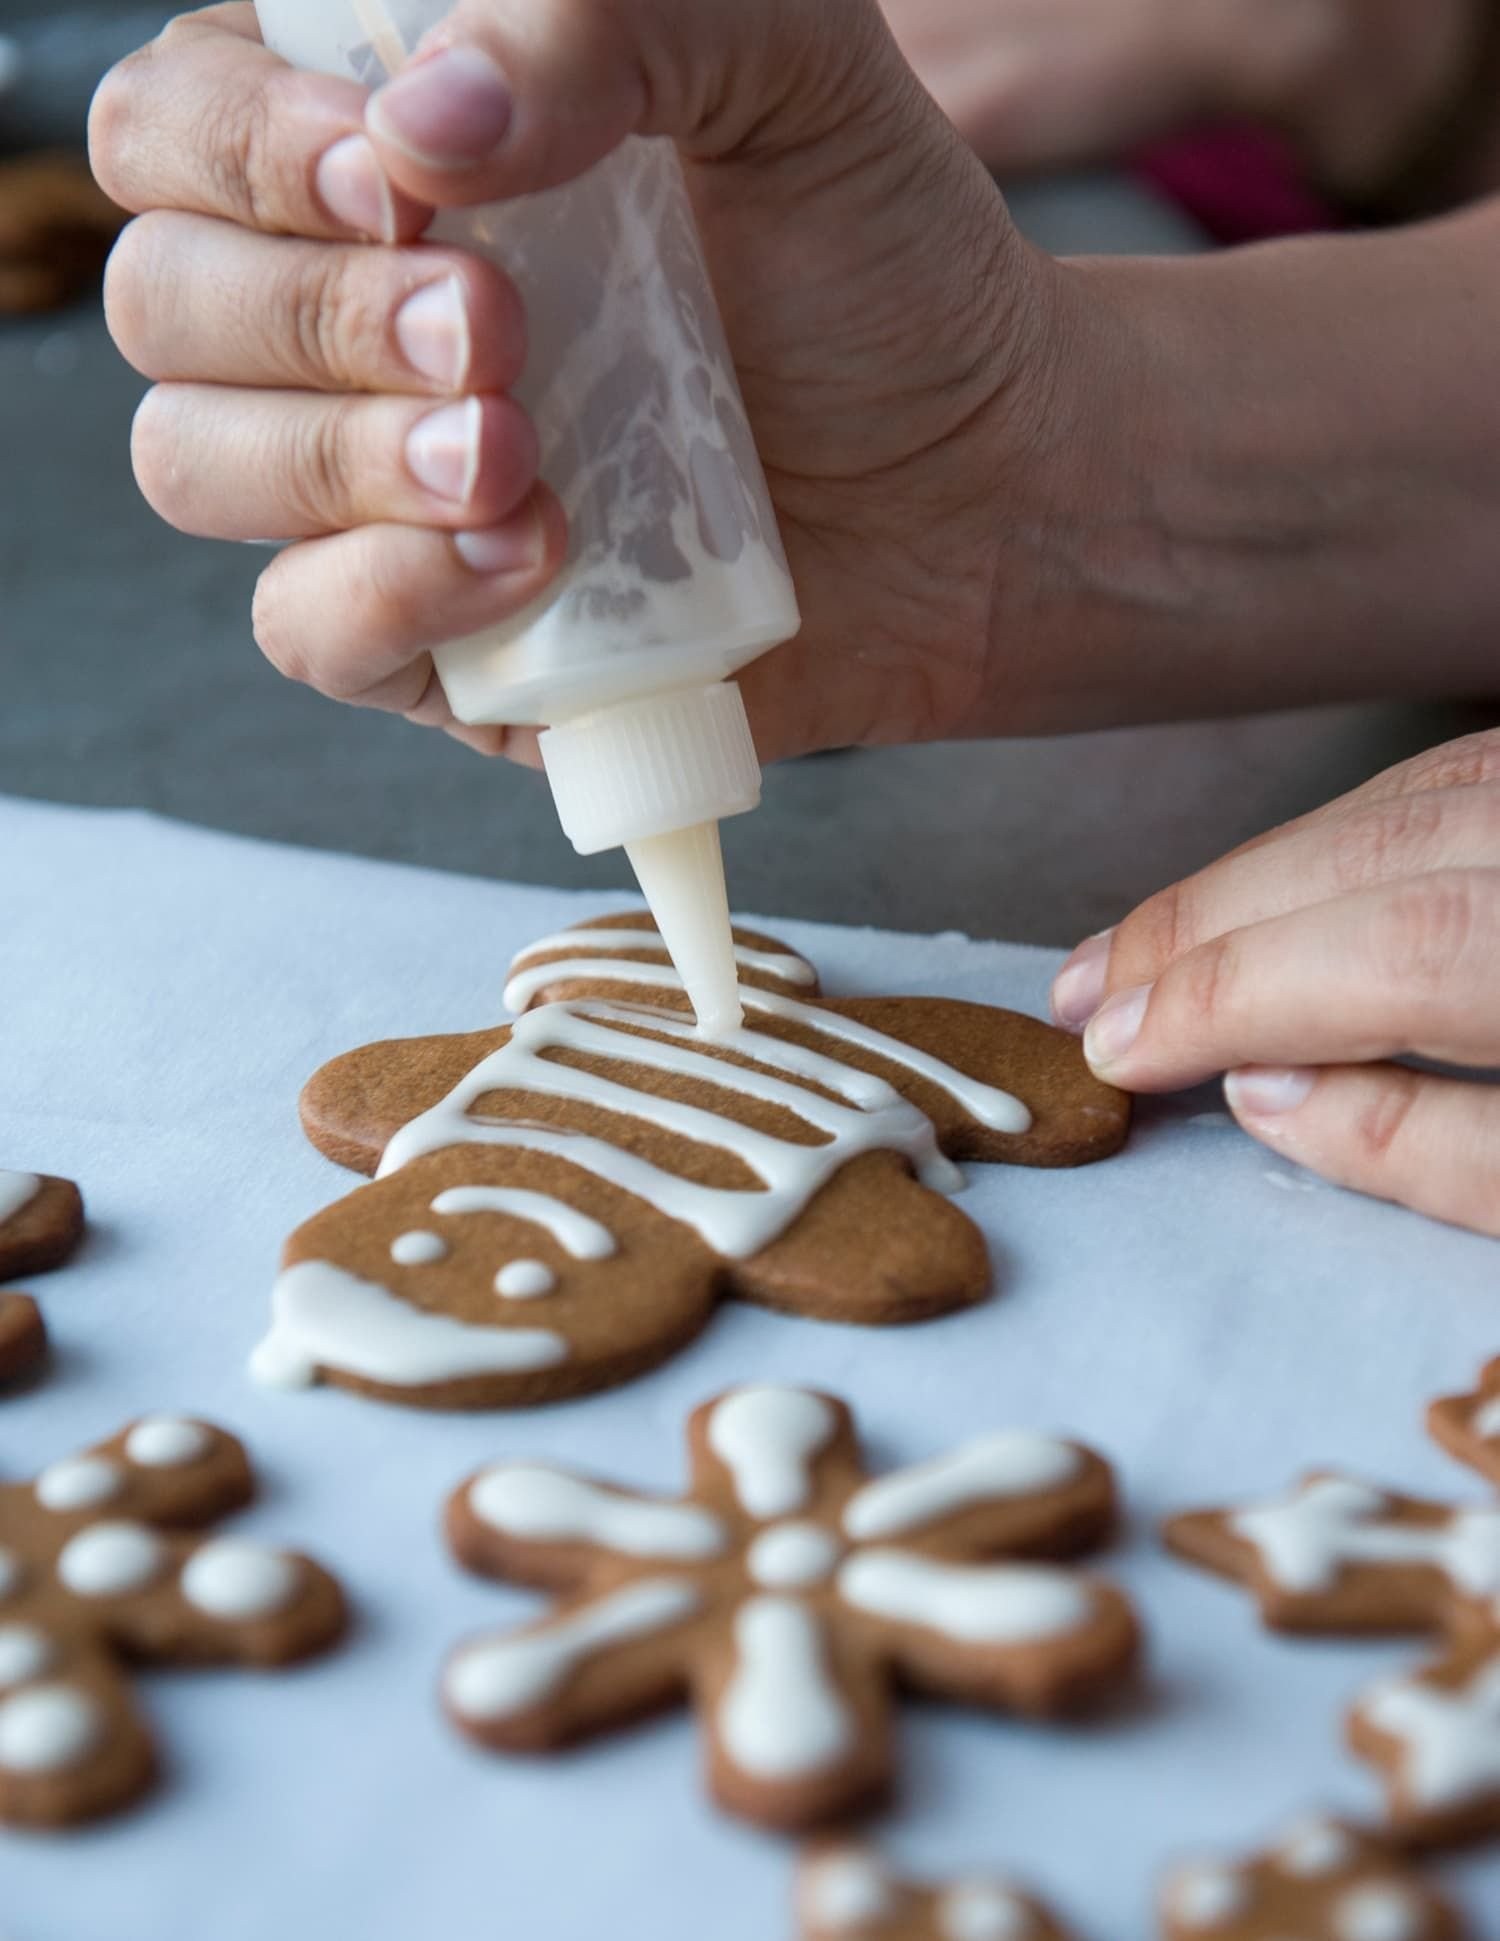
351	1106
227	1600
72	1745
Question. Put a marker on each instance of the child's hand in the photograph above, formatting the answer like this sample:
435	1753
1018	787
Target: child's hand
1299	963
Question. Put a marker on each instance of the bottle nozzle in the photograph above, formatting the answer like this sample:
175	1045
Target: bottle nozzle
682	877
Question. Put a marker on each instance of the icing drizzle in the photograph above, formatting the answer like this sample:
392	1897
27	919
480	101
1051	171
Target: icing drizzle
768	1440
1013	1463
781	1715
1305	1539
524	984
1450	1738
550	1506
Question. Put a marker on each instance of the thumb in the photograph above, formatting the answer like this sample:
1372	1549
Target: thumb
505	97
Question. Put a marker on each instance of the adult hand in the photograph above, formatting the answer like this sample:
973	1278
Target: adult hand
352	399
1305	960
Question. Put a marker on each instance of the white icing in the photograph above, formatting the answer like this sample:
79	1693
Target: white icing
984	1911
1009	1464
970	1603
524	984
1485	1421
79	1483
10	1573
577	1233
864	1114
549	1506
25	1653
16	1190
418	1248
781	1715
793	1556
1316	1847
846	1891
768	1440
322	1316
48	1728
111	1560
1208	1896
502	1676
525	1280
1305	1539
1449	1738
1379	1913
167	1442
238	1581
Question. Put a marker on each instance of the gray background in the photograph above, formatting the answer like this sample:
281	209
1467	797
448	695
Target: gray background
130	677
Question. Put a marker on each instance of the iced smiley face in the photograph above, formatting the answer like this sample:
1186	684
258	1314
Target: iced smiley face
788	1596
561	1202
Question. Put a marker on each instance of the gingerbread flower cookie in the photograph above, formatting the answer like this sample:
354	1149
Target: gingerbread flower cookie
847	1893
41	1222
98	1572
1323	1881
23	1336
561	1202
787	1596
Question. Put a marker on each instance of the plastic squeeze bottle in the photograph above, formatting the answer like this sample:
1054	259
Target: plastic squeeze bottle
675	575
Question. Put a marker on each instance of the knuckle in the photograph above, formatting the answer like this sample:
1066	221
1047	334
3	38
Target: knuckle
1430	926
1464	763
1374	842
1205	985
1154	935
335	329
317	468
1381	1125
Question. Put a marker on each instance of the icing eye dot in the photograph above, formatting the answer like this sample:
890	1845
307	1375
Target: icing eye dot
848	1890
167	1442
10	1572
111	1559
418	1249
79	1484
25	1653
240	1581
525	1280
982	1911
48	1728
1378	1914
1207	1897
1316	1847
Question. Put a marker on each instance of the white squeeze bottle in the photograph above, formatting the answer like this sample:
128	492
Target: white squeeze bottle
676	575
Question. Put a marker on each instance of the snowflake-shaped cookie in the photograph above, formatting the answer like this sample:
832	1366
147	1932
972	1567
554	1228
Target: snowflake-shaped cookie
96	1573
1322	1881
847	1893
563	1201
788	1595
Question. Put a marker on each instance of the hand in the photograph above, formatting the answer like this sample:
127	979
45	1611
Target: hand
352	399
1302	961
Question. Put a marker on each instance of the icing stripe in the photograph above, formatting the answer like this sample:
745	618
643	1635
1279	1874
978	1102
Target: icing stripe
994	1604
1449	1738
524	984
584	1238
1305	1539
543	1505
323	1317
503	1676
781	1715
1004	1465
16	1190
768	1440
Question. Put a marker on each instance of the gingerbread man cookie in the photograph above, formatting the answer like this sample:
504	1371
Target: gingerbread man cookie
1322	1881
788	1596
41	1222
98	1571
23	1336
1468	1426
847	1893
561	1202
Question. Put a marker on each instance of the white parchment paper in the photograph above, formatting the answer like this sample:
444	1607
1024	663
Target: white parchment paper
1203	1314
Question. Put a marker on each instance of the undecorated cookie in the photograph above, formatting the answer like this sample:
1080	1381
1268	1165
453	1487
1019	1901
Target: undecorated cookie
847	1893
1322	1881
561	1202
788	1597
23	1336
41	1222
98	1573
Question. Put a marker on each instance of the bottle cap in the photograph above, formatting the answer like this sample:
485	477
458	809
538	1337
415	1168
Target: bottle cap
646	768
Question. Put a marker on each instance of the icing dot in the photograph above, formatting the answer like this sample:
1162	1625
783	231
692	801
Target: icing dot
167	1442
79	1484
525	1280
47	1728
236	1580
981	1911
1207	1897
847	1892
418	1249
1315	1847
1379	1914
790	1556
10	1572
111	1559
25	1653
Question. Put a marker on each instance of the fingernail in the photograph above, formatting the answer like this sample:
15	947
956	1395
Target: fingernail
1268	1091
1114	1028
432	329
1078	988
352	187
519	546
442	450
449	112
